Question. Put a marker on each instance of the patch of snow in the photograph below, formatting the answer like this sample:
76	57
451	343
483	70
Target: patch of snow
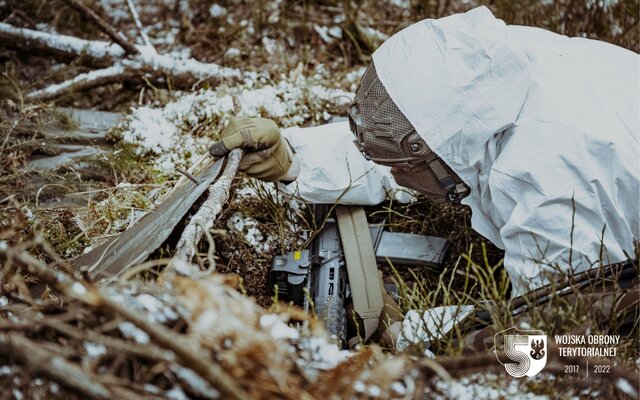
403	387
484	386
431	324
232	52
206	321
626	387
375	34
95	350
163	134
3	245
17	395
151	388
28	214
248	228
4	301
217	10
131	331
176	394
277	327
324	355
323	32
78	289
115	10
6	370
271	46
404	4
374	391
150	303
198	386
336	32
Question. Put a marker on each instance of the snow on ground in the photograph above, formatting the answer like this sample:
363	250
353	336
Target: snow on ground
484	386
248	228
164	133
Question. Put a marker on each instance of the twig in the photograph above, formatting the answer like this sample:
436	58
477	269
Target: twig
206	215
147	351
136	18
104	25
188	175
142	267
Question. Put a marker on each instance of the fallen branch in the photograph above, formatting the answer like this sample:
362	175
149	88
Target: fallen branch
156	68
93	52
146	351
104	26
136	19
89	80
206	215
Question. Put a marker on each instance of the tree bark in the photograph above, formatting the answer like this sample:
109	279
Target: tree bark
206	215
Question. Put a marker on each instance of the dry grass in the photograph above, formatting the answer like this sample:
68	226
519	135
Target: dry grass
28	199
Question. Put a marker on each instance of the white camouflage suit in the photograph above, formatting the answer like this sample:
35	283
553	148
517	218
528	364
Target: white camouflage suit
543	128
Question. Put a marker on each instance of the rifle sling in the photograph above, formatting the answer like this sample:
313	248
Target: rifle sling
362	269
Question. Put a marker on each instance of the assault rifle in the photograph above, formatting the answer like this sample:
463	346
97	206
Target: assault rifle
317	277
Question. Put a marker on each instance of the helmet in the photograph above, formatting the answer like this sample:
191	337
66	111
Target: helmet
385	135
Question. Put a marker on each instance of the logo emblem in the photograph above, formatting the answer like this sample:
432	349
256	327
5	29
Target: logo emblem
522	352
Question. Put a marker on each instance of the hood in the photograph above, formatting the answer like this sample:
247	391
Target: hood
460	81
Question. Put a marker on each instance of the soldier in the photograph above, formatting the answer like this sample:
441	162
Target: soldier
538	133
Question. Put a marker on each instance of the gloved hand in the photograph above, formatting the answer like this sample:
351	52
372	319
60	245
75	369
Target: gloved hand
268	155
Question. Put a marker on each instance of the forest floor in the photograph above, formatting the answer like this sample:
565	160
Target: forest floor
71	180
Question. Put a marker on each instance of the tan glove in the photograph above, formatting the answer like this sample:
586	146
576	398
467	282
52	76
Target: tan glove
268	155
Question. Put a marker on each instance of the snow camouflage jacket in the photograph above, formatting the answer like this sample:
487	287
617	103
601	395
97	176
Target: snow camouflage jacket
543	128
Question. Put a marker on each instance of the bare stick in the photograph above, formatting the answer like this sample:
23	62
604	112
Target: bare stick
49	364
154	67
104	25
147	351
206	215
136	19
95	52
188	175
101	77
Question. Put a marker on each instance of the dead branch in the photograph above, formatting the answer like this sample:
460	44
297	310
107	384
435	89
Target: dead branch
206	215
146	351
93	52
136	19
104	26
42	361
156	68
89	80
189	353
